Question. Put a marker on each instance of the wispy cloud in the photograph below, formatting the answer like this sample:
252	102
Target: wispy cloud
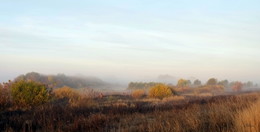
133	38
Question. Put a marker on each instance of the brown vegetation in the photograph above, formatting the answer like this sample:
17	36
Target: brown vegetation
138	94
88	111
67	93
222	113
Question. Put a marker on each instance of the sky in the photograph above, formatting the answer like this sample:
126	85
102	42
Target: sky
131	40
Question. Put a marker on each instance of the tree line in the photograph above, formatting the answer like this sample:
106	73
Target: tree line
184	83
61	80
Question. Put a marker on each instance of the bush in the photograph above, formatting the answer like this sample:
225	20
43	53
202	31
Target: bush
29	93
160	91
4	97
67	93
138	93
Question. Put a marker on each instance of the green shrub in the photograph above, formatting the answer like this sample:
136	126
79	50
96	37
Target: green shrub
160	91
29	93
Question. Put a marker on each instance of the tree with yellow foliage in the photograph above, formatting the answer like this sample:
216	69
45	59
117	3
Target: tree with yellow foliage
160	91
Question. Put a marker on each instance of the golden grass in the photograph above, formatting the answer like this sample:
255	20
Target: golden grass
248	120
230	113
173	98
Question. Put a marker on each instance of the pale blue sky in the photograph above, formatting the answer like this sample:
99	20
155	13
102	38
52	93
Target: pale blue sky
131	39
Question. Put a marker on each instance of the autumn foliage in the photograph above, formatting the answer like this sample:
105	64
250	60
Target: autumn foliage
138	94
29	93
160	91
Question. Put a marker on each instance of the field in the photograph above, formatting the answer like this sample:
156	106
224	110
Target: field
121	112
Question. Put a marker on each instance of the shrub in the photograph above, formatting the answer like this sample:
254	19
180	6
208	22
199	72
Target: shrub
67	93
138	93
160	91
29	93
4	97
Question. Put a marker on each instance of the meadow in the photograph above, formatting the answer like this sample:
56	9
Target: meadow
88	110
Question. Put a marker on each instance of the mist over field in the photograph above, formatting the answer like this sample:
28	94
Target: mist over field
129	65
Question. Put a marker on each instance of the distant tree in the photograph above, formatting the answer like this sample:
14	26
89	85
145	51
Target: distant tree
160	91
131	85
29	93
237	86
197	82
60	80
249	84
141	85
182	83
224	83
212	81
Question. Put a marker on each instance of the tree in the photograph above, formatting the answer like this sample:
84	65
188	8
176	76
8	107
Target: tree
160	91
197	82
249	84
237	86
188	82
182	83
212	81
29	93
141	85
224	83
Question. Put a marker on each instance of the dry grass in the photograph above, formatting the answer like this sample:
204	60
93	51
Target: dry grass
229	113
138	94
248	120
174	98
